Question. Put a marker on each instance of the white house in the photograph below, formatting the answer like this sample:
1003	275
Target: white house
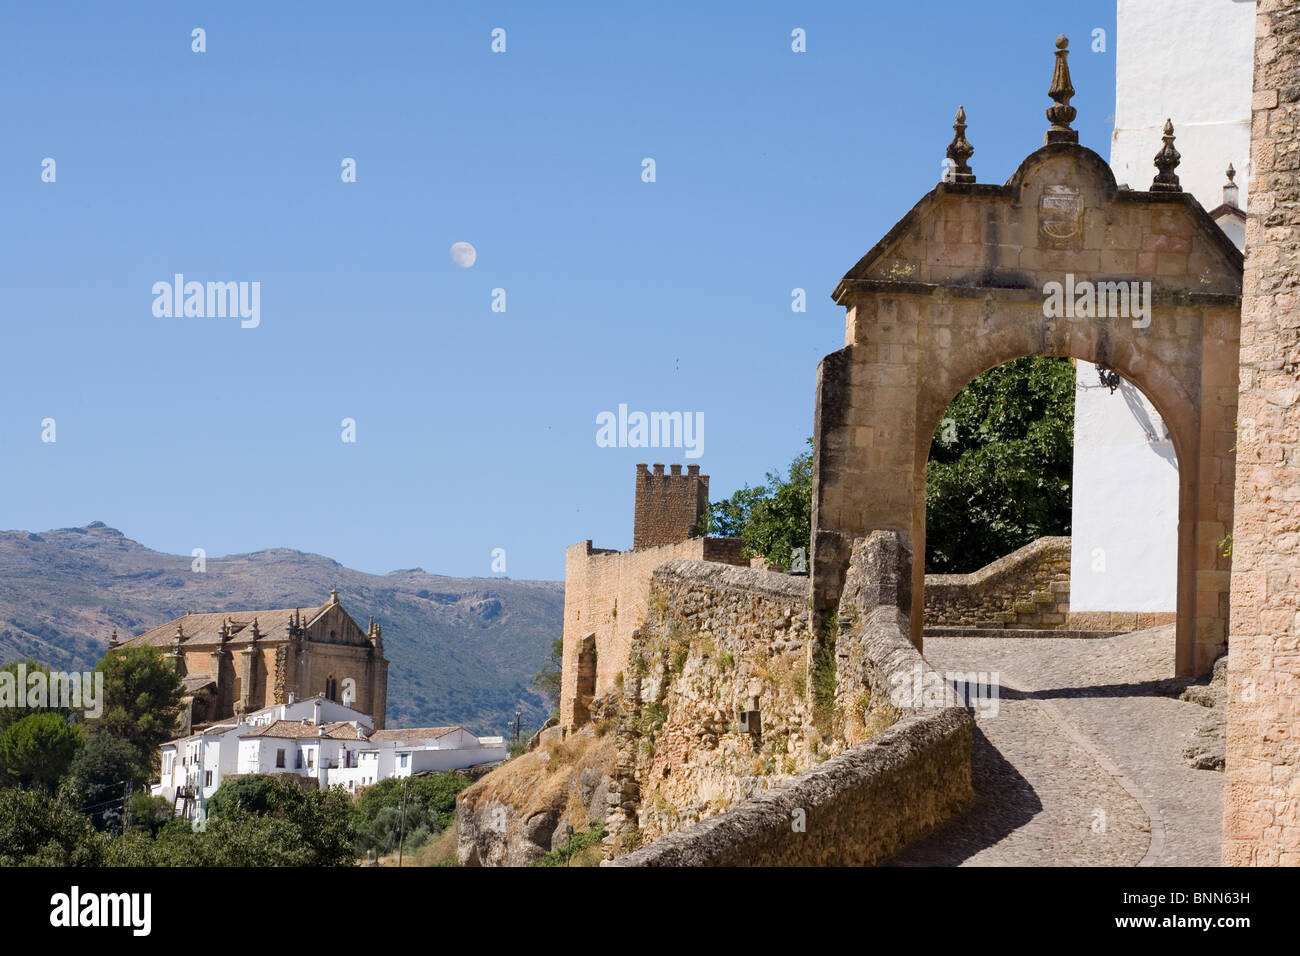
1190	61
315	738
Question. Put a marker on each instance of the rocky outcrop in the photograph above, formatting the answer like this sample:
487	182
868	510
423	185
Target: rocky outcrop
715	707
518	813
910	773
1207	747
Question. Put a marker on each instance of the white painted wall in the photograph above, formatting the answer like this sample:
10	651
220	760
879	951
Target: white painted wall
1191	61
1124	538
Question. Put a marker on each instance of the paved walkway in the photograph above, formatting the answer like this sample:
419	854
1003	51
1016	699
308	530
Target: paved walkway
1082	763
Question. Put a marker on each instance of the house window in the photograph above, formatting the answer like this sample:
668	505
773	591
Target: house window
311	760
207	778
297	764
331	688
403	761
279	757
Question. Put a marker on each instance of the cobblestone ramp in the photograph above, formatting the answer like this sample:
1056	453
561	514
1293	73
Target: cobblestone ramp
1082	764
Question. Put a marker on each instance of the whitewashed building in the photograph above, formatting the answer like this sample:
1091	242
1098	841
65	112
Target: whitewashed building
1192	62
317	739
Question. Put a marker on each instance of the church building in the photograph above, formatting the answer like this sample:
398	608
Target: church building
236	662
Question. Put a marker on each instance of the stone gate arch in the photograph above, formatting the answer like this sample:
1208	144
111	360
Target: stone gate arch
958	287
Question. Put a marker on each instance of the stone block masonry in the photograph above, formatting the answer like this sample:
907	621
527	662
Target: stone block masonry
1028	589
605	592
958	287
1261	801
854	808
668	506
714	704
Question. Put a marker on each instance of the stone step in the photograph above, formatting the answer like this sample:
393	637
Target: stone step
1014	632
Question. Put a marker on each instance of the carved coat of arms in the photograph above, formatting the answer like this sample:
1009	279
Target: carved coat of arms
1060	216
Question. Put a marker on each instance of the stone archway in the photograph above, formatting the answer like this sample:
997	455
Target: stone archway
958	287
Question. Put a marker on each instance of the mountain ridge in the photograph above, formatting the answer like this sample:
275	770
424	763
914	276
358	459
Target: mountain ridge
460	650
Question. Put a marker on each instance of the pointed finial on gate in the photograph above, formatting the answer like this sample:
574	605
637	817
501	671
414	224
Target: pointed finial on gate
960	151
1167	159
1231	195
1061	113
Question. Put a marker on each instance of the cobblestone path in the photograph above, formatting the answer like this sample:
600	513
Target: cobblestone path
1081	765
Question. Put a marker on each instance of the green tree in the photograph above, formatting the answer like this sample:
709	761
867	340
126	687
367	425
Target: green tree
37	750
320	822
97	778
142	694
430	809
547	681
15	709
150	814
1001	465
999	475
36	829
774	519
255	792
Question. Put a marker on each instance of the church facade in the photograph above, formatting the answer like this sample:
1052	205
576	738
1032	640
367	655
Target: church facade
235	662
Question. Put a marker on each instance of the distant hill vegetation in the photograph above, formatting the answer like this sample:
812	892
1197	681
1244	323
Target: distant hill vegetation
460	650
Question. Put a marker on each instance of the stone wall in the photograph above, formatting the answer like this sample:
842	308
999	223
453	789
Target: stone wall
856	807
605	597
714	704
957	287
1028	588
1261	799
667	505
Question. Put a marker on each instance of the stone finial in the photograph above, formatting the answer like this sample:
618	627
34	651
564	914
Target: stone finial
255	631
113	642
1061	114
334	595
1231	195
1167	160
960	151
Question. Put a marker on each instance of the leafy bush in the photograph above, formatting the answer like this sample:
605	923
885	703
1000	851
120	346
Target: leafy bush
430	808
37	829
581	840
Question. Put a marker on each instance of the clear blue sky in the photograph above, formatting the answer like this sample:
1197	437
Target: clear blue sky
475	429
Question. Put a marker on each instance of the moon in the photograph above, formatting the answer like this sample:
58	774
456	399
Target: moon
463	254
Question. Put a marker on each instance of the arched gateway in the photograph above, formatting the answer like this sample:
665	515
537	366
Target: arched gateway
969	279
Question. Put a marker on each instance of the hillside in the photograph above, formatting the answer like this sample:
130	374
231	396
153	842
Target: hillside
461	650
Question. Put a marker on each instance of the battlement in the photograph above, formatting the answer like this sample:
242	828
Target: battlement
668	506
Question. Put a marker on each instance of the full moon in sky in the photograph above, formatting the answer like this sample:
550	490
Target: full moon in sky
463	254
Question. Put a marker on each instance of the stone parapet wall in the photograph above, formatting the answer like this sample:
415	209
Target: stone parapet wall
1029	588
856	809
605	594
714	702
1118	621
860	805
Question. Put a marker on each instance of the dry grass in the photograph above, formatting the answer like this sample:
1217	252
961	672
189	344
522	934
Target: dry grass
547	778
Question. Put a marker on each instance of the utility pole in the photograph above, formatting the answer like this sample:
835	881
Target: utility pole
401	831
519	723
